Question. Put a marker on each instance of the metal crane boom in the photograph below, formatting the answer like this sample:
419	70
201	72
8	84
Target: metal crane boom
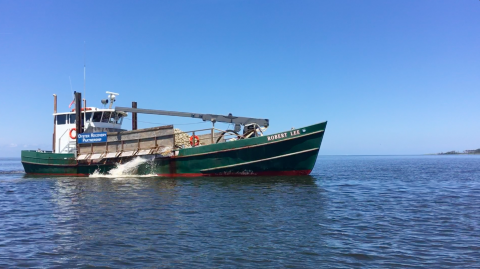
205	117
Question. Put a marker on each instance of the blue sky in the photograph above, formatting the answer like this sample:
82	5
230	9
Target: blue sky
391	77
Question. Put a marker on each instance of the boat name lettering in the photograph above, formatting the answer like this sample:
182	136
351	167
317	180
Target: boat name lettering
282	135
277	136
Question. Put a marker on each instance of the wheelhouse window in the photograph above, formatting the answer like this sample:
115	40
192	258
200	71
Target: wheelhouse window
106	116
115	118
97	116
119	119
89	116
72	118
61	119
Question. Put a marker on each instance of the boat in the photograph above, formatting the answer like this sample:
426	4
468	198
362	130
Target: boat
90	140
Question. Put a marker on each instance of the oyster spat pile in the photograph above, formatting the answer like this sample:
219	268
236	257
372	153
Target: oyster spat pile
182	140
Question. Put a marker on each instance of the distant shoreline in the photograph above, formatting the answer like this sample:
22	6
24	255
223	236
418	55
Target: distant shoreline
456	153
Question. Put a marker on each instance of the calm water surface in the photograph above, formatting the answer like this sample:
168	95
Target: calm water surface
353	211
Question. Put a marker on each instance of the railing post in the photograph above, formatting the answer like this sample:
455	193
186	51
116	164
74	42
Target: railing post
212	135
193	139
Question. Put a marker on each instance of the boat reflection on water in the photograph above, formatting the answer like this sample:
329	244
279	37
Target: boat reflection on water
257	180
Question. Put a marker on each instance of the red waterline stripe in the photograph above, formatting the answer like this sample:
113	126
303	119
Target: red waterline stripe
263	173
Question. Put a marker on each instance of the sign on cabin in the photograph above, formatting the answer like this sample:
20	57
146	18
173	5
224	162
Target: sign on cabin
92	137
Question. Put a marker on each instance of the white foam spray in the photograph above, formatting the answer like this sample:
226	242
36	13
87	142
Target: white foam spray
128	169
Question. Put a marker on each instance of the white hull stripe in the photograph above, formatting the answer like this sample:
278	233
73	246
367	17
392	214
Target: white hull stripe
257	161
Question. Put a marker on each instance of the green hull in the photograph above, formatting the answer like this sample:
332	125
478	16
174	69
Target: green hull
289	153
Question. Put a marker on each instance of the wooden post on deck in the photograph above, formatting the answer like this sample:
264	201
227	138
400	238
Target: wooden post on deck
78	111
78	118
134	116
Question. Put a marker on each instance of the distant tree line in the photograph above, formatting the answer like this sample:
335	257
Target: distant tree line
472	151
468	151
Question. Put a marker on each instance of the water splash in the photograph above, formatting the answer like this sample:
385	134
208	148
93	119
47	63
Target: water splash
128	169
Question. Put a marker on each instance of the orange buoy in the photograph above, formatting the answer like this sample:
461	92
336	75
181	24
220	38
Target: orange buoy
71	130
197	140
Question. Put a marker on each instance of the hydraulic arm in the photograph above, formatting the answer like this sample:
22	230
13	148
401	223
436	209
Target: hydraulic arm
205	117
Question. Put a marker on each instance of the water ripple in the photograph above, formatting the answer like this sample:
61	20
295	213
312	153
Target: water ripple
354	211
